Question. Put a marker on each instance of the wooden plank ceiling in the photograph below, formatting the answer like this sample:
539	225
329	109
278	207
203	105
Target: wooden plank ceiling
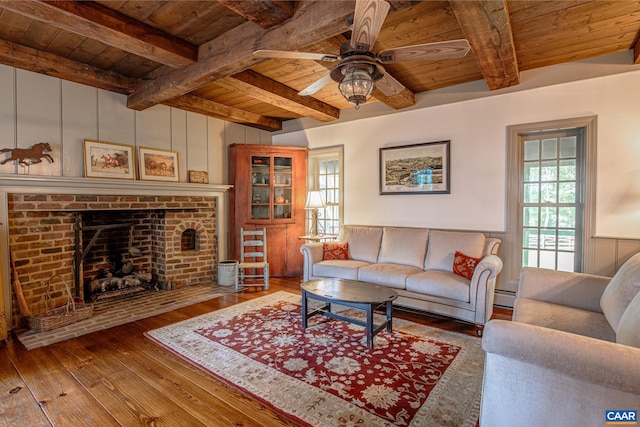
198	55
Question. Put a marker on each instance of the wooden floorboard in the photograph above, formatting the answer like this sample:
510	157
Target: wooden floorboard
17	406
54	389
127	397
119	377
196	392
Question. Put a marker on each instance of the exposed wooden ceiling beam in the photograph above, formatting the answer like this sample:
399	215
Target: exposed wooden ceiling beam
487	28
233	51
265	13
214	109
26	58
95	21
270	91
404	99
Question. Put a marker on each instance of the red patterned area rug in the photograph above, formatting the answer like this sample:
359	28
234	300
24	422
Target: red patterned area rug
325	375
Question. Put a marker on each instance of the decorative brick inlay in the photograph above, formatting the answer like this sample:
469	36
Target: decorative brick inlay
42	242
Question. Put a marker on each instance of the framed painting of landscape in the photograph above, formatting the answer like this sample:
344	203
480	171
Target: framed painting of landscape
415	169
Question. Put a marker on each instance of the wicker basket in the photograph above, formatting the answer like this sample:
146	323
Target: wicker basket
64	315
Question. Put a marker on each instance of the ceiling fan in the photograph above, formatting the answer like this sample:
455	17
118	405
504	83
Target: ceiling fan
359	70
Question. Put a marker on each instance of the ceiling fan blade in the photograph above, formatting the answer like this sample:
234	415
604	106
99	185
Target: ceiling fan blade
265	53
420	52
316	86
389	86
367	22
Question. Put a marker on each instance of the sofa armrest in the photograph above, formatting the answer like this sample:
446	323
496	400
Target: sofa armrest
490	263
576	290
311	253
483	284
611	365
492	245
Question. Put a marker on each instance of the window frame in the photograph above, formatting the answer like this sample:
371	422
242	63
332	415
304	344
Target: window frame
313	181
513	255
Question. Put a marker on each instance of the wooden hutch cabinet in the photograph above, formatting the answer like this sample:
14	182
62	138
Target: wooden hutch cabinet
269	190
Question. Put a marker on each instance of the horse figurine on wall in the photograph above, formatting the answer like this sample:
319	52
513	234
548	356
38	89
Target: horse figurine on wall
35	154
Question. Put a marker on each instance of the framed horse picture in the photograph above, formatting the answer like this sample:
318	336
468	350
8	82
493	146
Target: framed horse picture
158	165
108	160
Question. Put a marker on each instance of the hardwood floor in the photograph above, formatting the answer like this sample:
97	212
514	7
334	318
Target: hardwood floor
116	377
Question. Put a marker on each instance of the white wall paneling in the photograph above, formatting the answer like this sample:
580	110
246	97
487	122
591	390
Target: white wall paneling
36	107
179	134
217	153
7	114
116	123
79	122
153	128
197	143
39	119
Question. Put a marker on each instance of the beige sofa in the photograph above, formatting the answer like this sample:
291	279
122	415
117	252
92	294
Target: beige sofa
418	264
570	354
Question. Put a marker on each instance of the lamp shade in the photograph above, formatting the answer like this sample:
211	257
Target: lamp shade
314	200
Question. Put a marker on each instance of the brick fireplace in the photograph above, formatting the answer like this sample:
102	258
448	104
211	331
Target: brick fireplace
173	235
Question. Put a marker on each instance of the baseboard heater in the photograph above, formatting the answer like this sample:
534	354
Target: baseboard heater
504	299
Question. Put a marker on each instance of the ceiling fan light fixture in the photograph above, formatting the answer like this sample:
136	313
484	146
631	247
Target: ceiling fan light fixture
357	85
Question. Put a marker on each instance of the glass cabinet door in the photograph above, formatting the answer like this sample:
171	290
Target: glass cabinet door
271	188
282	184
260	187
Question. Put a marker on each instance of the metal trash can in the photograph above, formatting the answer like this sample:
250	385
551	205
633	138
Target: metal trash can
227	273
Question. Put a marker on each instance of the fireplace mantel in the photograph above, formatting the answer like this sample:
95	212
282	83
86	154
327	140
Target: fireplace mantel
71	185
29	184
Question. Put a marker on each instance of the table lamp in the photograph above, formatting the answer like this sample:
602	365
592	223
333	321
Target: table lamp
314	202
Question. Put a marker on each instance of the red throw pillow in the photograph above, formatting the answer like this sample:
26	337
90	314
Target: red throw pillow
332	250
464	265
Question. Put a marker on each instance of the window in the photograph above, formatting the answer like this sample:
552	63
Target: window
550	196
552	199
325	175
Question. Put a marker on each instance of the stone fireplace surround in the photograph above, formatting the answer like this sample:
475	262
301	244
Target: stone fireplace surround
37	222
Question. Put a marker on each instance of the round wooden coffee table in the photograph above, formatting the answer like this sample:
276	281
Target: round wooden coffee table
351	293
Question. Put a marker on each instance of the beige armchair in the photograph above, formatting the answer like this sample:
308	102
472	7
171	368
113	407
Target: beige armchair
571	353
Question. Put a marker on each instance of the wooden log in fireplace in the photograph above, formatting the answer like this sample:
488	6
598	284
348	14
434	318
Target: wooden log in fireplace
80	252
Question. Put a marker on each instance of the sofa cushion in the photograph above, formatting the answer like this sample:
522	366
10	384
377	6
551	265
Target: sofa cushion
439	283
629	327
464	265
335	250
622	288
404	246
343	269
364	242
444	244
563	318
391	275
